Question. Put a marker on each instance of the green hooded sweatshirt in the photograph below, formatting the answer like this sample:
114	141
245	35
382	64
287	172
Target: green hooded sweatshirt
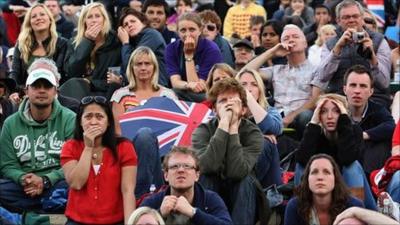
31	147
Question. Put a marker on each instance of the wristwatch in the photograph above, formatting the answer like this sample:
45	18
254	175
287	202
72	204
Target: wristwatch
188	59
46	182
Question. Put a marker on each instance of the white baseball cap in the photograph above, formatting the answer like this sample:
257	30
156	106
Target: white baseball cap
41	73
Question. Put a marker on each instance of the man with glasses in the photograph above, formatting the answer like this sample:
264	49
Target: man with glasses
244	52
31	143
228	147
185	201
355	44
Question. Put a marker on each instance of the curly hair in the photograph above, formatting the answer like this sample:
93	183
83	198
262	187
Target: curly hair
340	193
227	85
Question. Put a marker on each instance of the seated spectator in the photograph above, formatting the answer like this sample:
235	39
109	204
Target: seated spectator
237	19
37	40
90	53
375	121
256	23
145	215
211	31
190	59
322	16
181	7
134	32
355	45
90	159
269	120
143	84
7	107
299	8
295	86
314	52
370	21
393	187
278	15
244	52
64	27
71	11
228	147
357	215
185	201
330	131
156	12
219	72
32	139
270	36
321	196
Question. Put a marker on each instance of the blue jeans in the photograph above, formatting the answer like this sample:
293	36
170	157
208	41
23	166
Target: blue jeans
268	169
300	122
239	196
149	163
13	197
393	187
353	176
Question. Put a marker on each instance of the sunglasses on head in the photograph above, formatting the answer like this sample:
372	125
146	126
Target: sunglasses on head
211	27
90	99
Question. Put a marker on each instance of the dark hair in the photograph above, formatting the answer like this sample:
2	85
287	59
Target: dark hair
109	140
227	85
187	2
129	11
296	20
211	16
318	6
182	150
340	193
358	69
276	25
162	3
255	20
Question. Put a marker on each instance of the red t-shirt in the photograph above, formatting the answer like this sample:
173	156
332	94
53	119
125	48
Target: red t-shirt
396	135
100	200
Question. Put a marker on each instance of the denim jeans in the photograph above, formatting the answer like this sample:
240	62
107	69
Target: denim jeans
239	196
268	169
353	176
393	187
149	163
13	197
300	122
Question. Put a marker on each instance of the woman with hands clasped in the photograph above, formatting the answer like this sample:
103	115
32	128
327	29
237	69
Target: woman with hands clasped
90	53
93	158
331	131
190	59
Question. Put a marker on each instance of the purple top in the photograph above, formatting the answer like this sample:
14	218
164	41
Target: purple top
207	54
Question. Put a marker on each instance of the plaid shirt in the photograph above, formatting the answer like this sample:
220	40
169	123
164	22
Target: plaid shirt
292	84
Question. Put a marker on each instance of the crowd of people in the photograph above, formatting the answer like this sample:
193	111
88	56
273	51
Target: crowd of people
303	79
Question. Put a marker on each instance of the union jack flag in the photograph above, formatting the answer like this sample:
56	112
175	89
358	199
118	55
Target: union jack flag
173	121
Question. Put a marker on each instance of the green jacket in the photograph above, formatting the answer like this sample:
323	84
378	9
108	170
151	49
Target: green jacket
31	147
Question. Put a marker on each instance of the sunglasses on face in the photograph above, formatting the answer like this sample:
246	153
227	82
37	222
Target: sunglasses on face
369	21
90	99
211	27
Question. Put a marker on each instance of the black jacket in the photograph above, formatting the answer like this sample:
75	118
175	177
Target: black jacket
345	150
19	67
108	55
64	27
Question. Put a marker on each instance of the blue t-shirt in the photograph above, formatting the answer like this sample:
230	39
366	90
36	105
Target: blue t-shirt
207	54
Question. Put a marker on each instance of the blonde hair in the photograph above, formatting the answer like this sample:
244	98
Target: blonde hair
221	66
324	28
139	212
262	100
82	22
130	73
26	38
335	97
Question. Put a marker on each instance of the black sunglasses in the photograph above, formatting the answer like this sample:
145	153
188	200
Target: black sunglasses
90	99
369	21
211	27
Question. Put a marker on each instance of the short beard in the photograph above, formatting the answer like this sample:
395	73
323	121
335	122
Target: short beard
41	106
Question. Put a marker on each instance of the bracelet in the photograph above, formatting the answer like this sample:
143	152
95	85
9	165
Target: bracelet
188	59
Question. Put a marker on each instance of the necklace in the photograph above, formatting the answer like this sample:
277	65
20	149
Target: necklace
94	156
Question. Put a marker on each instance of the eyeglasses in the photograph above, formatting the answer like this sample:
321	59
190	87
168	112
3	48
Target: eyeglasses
347	17
185	166
369	21
211	27
90	99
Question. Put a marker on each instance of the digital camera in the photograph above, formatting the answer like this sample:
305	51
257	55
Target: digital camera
358	36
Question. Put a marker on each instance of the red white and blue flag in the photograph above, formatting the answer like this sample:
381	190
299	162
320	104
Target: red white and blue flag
173	121
377	7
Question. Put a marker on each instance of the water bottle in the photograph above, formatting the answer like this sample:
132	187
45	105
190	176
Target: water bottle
396	77
152	188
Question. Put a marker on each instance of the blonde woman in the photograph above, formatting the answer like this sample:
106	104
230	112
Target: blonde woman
38	38
91	52
314	52
269	120
145	215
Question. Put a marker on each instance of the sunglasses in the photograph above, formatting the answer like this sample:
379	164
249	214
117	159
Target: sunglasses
211	27
90	99
369	21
